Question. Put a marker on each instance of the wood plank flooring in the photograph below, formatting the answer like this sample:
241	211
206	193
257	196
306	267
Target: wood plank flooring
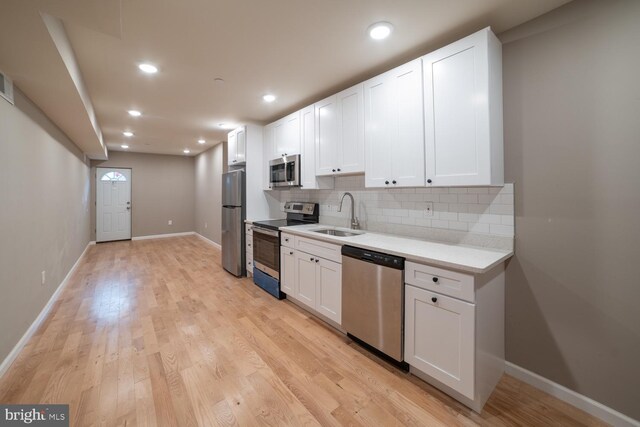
155	332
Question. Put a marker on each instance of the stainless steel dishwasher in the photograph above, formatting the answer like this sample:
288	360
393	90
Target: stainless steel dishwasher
373	300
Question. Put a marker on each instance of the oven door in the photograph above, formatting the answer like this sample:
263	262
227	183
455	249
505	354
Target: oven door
266	251
285	171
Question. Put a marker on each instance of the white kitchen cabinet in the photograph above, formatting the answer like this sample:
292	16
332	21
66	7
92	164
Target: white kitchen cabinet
287	270
237	146
463	112
313	276
329	289
439	338
286	136
305	283
339	131
455	341
394	129
268	137
309	179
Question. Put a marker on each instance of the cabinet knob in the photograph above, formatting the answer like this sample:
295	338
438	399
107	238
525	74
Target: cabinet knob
435	280
291	253
249	244
394	182
286	240
434	299
333	170
429	181
386	182
317	260
310	259
338	169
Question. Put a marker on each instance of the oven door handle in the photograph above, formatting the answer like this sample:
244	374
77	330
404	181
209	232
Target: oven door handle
257	229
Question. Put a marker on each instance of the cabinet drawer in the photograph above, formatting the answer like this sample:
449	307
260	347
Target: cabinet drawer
439	280
287	240
248	229
320	249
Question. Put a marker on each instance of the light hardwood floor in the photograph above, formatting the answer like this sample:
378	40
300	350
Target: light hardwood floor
155	332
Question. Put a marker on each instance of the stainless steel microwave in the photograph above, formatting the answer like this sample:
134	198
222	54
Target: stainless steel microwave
285	171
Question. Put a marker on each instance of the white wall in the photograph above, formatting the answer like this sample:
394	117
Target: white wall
44	215
208	201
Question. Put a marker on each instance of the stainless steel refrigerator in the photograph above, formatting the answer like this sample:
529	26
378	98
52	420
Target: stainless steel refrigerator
233	216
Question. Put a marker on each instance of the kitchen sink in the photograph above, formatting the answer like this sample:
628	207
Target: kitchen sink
338	233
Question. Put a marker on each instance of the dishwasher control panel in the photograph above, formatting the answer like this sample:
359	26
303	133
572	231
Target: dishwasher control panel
374	257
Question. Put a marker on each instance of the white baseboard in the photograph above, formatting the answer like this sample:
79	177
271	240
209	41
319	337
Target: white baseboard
11	357
162	236
576	399
209	241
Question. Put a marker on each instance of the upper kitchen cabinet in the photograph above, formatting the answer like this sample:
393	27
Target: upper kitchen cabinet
286	136
394	132
309	180
339	130
463	112
237	146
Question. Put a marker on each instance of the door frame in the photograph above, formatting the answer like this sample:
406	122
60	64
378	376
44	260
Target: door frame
95	204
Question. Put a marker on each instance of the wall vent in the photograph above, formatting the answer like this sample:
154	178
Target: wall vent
6	87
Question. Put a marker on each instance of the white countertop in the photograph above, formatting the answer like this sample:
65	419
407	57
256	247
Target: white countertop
465	258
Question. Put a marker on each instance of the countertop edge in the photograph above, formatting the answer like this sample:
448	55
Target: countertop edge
410	257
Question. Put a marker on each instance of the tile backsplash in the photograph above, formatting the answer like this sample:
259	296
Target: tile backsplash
477	216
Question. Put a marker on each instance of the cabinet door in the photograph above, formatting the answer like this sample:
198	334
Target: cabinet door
350	141
440	338
378	132
394	131
308	143
408	138
232	148
457	112
326	118
287	270
241	144
329	289
268	137
287	136
305	283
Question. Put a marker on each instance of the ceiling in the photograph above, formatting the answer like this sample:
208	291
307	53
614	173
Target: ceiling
299	50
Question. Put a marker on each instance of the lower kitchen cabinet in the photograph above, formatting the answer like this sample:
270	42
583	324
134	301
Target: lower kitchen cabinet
329	289
454	330
305	283
439	334
287	270
313	281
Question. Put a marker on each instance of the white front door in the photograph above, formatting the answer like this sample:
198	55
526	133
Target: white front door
113	204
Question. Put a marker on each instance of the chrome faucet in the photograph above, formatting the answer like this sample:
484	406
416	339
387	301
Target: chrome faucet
354	221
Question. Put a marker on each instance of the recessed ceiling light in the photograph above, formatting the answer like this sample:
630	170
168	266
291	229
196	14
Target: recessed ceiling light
201	141
269	98
125	146
186	151
148	68
127	133
135	113
380	30
226	126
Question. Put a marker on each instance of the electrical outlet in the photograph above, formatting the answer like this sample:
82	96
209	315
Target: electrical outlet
170	222
44	277
429	209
